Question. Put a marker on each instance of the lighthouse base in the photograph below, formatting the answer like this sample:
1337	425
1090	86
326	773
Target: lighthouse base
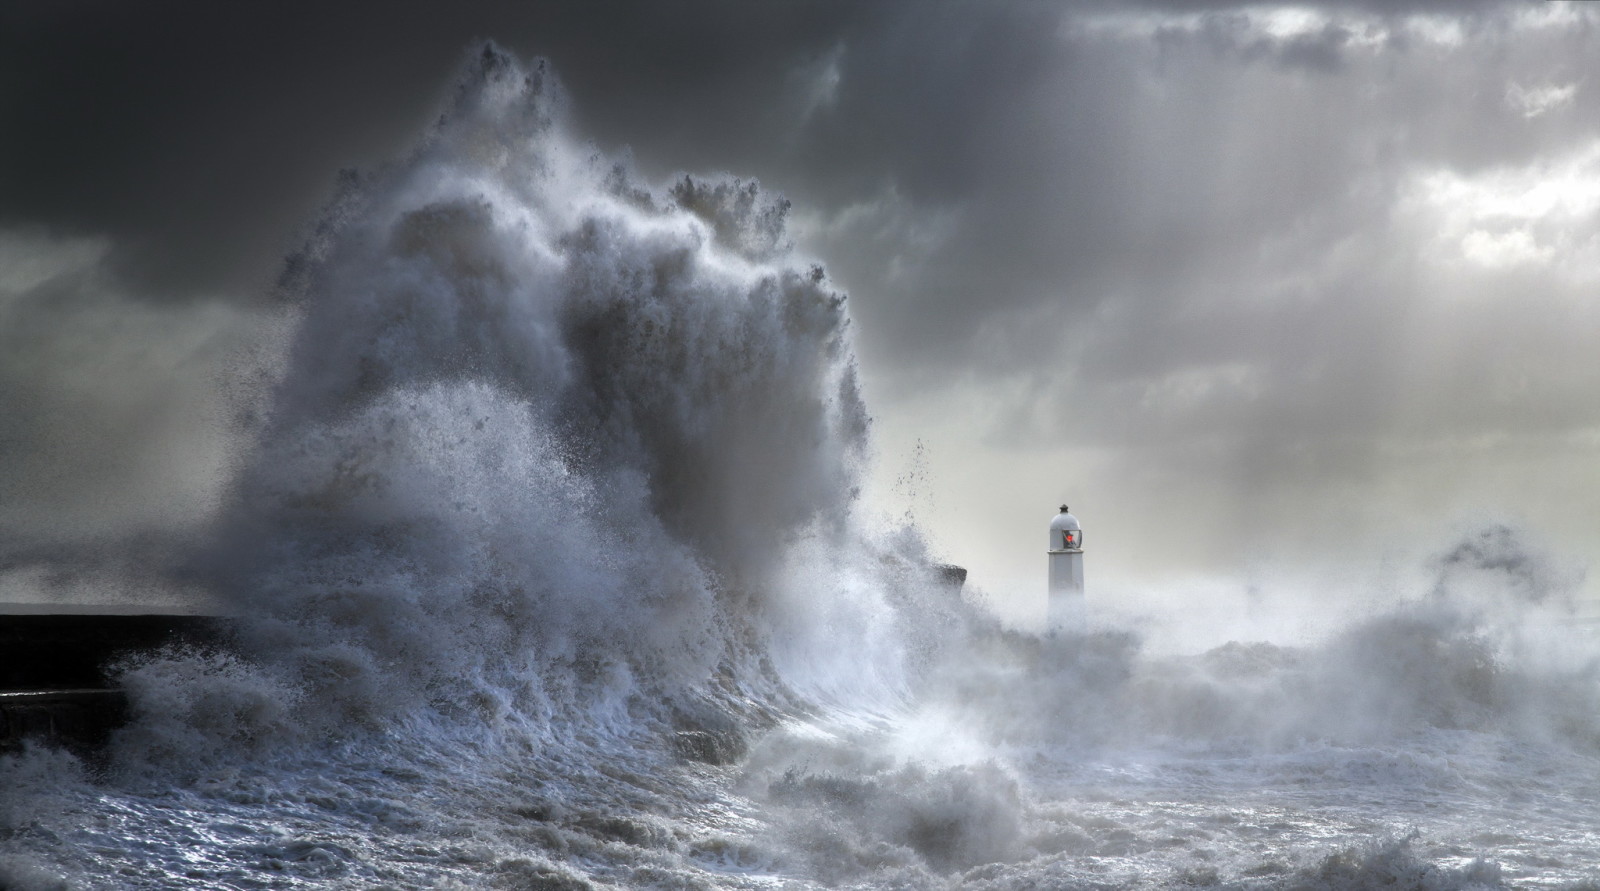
1067	610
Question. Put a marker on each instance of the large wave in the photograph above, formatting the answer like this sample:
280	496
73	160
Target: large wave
558	480
546	428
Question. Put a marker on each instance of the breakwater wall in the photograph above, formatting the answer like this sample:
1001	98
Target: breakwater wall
56	682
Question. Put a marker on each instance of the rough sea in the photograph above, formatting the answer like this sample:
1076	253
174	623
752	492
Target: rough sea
549	572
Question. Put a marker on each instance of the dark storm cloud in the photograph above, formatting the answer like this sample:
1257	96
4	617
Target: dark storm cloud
199	137
1242	243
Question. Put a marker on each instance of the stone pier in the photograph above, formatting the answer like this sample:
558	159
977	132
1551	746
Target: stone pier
56	666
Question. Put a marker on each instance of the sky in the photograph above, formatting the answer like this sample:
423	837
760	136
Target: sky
1260	291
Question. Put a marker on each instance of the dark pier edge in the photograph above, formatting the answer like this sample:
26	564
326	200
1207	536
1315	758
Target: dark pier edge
56	684
57	664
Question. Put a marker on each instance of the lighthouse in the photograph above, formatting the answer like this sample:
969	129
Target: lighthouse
1067	609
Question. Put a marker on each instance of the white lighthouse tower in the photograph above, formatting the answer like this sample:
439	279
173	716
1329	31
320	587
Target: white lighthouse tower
1067	608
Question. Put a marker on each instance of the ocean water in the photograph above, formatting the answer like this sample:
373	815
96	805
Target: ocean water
550	574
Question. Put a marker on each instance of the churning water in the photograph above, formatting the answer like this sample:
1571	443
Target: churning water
550	576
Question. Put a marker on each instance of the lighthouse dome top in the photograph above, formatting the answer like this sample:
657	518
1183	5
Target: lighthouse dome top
1064	520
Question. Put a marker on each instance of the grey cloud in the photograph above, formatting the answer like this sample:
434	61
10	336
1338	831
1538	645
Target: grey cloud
1194	258
115	418
1148	191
